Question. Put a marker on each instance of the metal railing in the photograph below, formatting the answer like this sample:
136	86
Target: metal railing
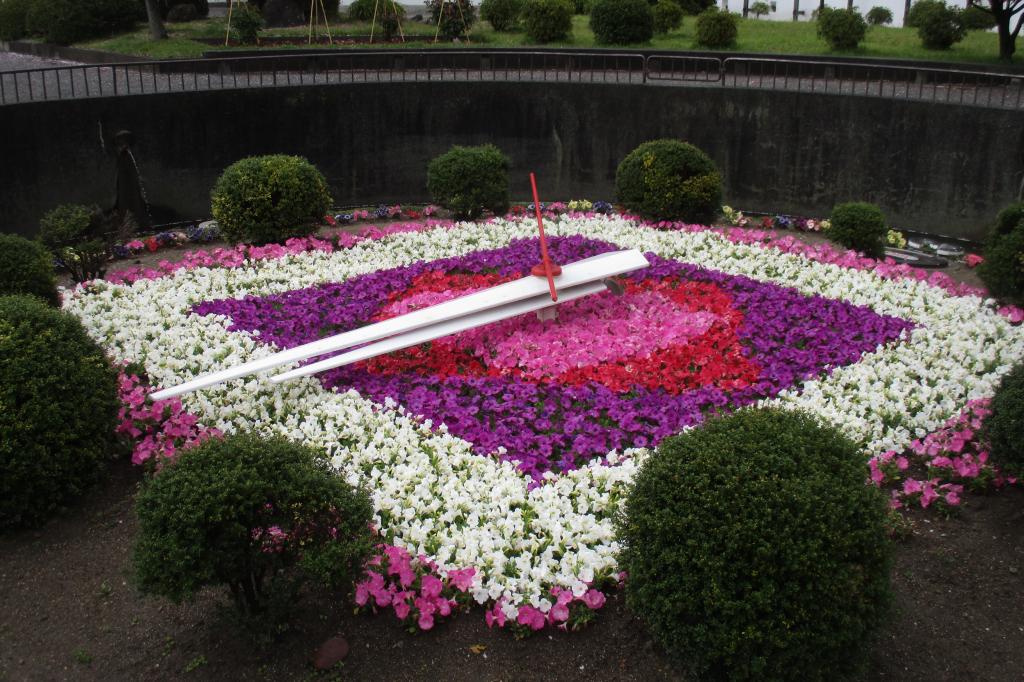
954	86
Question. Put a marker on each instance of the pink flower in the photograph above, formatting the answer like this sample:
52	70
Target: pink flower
911	486
973	260
495	615
531	617
594	599
559	613
430	587
461	579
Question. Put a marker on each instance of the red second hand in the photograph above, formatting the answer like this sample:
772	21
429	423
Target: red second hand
548	271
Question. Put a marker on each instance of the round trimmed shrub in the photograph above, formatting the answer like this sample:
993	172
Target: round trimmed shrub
13	19
547	20
1005	425
939	26
859	226
362	10
755	550
58	410
238	511
264	199
501	14
26	268
716	29
842	29
879	16
669	180
622	22
917	10
1003	269
1008	220
470	180
975	18
668	16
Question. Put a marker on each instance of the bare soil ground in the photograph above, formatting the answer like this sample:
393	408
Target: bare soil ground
68	611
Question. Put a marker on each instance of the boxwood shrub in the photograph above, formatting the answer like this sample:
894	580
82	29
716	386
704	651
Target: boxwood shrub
1005	425
79	238
842	29
69	21
470	180
240	513
26	268
622	22
755	550
269	199
546	21
859	226
58	410
668	16
939	26
1003	269
502	15
716	29
669	180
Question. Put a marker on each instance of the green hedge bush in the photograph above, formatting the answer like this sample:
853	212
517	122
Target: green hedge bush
755	550
546	21
239	511
859	226
264	199
939	26
69	21
668	16
27	268
362	10
1005	426
622	22
669	180
470	180
1003	269
13	19
716	29
917	10
58	410
502	15
842	29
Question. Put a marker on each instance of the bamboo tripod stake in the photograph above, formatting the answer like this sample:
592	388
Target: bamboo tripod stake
394	8
314	19
440	16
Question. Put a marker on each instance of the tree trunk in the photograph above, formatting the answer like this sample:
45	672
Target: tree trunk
1007	41
796	10
746	8
849	4
906	12
156	23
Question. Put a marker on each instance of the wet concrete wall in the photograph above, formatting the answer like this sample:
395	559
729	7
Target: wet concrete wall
935	168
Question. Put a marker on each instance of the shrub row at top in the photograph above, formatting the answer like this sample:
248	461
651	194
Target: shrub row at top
629	22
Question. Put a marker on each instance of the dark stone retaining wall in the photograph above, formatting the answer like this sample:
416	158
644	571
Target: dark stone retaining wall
941	169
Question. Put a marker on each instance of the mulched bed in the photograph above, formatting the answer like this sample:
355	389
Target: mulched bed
69	611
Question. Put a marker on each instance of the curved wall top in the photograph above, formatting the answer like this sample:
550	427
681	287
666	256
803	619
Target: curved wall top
937	168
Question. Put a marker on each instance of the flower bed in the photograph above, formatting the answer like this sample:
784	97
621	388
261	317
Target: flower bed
887	357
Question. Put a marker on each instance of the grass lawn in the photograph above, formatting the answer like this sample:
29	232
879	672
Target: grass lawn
762	36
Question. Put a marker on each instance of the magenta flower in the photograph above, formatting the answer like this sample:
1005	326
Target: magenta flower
531	617
461	579
430	587
594	599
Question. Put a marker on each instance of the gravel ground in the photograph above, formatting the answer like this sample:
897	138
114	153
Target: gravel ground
13	61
